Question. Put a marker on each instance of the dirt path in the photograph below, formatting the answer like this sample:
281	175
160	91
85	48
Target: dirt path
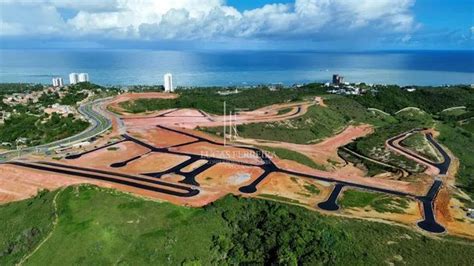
192	118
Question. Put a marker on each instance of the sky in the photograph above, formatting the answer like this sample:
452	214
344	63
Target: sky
334	25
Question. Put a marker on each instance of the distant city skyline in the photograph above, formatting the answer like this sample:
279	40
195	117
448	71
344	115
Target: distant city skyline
338	25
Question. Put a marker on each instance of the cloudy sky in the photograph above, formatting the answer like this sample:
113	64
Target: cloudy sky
238	24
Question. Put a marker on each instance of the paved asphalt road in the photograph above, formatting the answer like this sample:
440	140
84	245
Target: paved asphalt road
96	115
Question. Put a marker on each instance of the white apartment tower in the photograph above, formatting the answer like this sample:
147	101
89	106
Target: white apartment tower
73	78
58	82
168	82
77	78
83	77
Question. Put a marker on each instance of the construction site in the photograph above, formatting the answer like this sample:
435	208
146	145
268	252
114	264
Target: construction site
163	156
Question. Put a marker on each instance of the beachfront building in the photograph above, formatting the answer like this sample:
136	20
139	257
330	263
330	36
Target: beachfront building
58	82
73	78
83	77
168	82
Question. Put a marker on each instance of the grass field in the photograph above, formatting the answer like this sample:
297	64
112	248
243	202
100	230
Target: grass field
104	227
454	112
370	167
316	124
377	201
418	143
293	156
468	125
373	145
278	198
209	100
284	111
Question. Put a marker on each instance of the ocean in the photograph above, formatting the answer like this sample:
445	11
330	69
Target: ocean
238	68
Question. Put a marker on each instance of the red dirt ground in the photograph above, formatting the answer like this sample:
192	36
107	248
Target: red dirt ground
104	157
159	137
228	177
153	162
293	187
18	183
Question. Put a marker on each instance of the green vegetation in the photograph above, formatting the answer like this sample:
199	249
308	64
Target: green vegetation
145	88
378	201
24	225
72	97
454	111
9	88
208	100
372	168
432	100
121	229
418	143
293	156
455	125
316	124
373	145
414	114
284	111
40	129
31	126
460	141
48	98
468	125
312	189
278	198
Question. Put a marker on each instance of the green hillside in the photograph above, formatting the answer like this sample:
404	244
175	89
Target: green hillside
103	227
209	100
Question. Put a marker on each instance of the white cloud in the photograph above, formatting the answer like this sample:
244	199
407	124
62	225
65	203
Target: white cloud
24	17
209	19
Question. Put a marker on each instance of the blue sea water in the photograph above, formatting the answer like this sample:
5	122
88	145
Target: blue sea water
127	67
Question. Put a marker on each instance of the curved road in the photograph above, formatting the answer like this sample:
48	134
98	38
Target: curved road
429	222
93	111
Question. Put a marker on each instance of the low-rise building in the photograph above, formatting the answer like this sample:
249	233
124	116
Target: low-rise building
60	109
228	92
81	144
4	116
